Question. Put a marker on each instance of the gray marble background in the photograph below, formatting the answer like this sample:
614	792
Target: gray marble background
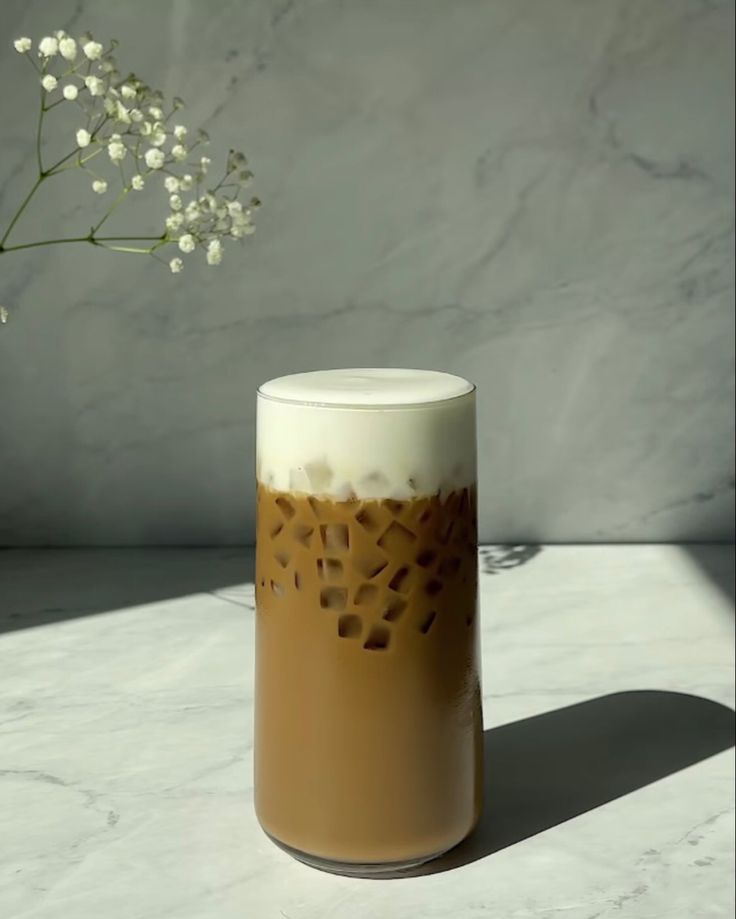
537	195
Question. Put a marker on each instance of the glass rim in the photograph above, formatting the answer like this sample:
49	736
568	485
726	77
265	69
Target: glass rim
368	407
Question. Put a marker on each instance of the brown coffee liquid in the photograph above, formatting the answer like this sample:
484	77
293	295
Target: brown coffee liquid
368	718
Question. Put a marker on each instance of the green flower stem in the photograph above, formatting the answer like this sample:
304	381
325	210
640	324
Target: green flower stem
132	249
31	193
116	203
89	238
59	167
81	161
39	129
54	170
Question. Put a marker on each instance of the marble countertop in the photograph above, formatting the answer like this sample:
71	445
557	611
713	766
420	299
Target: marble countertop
125	758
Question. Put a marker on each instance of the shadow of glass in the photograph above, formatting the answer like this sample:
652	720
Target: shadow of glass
545	770
39	587
718	563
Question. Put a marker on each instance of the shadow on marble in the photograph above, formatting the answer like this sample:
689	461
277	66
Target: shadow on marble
39	587
496	559
718	564
545	770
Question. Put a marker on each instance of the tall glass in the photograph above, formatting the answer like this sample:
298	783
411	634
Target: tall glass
368	718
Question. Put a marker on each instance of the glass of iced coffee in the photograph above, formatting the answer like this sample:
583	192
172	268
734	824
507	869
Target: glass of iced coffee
368	717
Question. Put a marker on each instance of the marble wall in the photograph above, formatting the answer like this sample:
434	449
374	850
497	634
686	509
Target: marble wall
537	195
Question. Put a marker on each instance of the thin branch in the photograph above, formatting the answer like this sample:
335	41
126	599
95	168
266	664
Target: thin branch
116	203
47	242
52	169
80	162
130	249
39	129
94	240
31	61
31	193
161	238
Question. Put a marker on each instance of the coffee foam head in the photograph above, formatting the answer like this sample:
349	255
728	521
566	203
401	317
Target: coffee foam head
369	433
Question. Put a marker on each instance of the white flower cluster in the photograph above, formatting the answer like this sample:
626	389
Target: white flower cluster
204	218
141	136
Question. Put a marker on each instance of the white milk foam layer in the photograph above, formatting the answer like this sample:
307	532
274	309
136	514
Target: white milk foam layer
373	433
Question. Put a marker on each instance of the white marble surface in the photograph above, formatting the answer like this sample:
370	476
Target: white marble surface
535	195
125	758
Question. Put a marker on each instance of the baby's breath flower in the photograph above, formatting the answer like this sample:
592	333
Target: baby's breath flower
116	149
121	113
95	85
158	134
67	48
241	224
148	130
192	212
154	158
48	46
214	252
178	103
92	50
235	159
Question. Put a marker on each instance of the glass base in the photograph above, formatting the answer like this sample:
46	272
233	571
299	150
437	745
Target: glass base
356	869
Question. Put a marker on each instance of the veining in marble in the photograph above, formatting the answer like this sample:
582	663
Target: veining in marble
125	743
537	196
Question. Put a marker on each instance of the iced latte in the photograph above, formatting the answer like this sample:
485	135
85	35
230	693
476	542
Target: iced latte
368	724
